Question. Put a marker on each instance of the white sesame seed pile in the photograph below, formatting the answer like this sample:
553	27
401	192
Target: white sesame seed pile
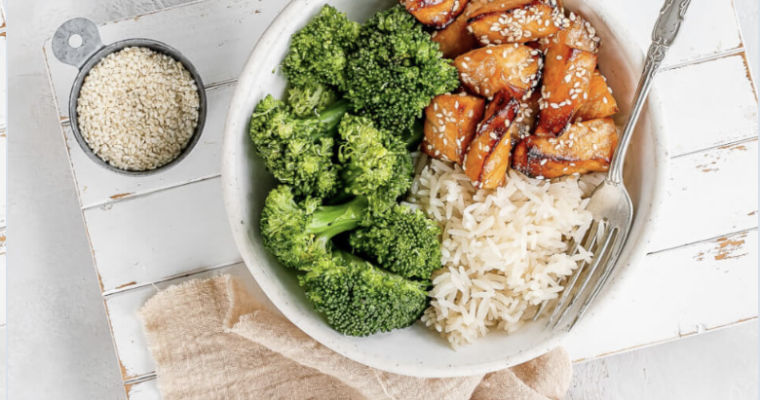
138	109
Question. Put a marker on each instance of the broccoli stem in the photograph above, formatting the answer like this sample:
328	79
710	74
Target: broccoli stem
414	136
330	117
330	221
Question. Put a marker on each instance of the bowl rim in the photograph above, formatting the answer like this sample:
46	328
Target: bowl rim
234	208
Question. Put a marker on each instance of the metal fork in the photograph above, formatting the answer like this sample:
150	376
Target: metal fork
610	203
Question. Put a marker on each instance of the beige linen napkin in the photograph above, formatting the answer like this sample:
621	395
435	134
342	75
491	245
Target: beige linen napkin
211	340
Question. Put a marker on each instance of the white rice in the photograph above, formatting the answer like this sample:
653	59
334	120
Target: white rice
503	249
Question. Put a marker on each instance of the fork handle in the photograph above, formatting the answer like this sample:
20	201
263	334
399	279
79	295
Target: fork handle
664	34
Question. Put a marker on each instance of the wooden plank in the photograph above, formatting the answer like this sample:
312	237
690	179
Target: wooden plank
3	81
3	176
145	390
217	36
708	104
152	237
710	27
98	186
709	193
673	294
127	330
704	367
3	280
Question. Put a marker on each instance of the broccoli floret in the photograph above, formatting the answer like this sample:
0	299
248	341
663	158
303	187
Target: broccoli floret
396	70
311	99
298	152
376	164
404	241
319	51
299	233
359	299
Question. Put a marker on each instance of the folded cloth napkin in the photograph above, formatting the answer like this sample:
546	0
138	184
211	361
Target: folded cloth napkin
211	340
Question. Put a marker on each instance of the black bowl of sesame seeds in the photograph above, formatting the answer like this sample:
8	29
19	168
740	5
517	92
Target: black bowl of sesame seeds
137	106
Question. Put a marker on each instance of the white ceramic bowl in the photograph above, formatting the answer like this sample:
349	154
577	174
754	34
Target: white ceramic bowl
416	350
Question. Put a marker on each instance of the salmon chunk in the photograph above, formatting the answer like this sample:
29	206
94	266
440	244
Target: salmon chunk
450	124
600	102
487	158
435	13
584	147
489	70
567	78
525	22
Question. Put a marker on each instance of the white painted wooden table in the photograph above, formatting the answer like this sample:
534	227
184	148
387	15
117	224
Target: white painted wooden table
700	273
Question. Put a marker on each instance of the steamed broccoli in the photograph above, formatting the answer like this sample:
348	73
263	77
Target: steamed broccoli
299	233
359	299
298	152
375	163
319	51
405	242
311	99
396	70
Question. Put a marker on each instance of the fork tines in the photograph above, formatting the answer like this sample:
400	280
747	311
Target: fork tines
601	242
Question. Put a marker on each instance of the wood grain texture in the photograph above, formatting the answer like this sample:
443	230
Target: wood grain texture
146	390
717	365
673	294
3	80
710	27
3	282
3	176
709	193
150	238
700	115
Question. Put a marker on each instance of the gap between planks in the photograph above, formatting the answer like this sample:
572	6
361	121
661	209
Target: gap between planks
128	287
657	342
714	238
701	60
132	196
716	147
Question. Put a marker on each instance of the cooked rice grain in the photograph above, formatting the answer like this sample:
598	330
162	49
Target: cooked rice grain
503	249
138	109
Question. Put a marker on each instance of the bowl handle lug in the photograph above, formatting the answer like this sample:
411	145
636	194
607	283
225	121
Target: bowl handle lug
76	56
